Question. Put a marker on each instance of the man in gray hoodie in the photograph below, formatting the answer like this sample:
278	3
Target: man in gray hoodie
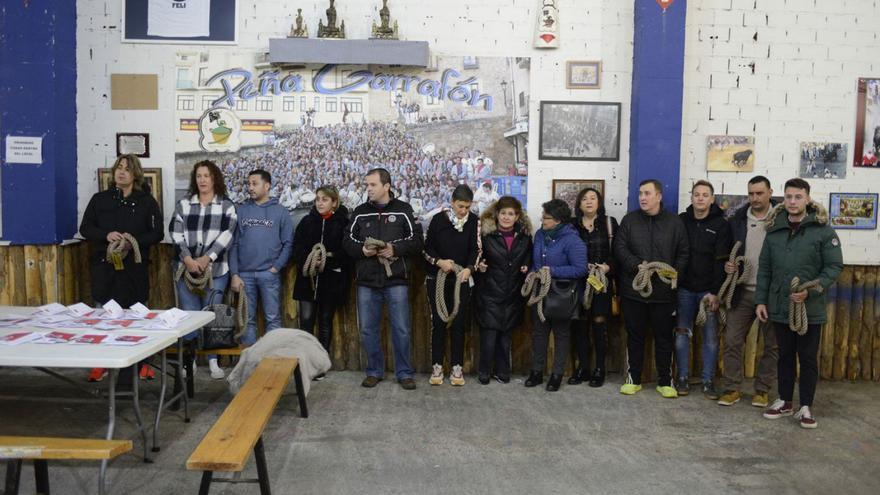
262	246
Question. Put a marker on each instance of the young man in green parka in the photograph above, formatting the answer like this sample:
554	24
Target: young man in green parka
799	244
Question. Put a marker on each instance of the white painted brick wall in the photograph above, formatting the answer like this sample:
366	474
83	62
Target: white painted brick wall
803	89
590	30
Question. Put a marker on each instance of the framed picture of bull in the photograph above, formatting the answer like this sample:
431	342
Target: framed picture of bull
730	153
579	130
152	178
568	189
867	145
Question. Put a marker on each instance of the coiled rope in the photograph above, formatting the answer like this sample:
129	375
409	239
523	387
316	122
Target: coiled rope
315	262
376	244
642	281
728	287
116	251
797	311
589	290
195	282
440	294
542	279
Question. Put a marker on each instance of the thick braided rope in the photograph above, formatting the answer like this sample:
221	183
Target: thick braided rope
589	290
797	312
115	248
642	281
440	295
728	288
541	277
315	262
376	244
241	313
195	282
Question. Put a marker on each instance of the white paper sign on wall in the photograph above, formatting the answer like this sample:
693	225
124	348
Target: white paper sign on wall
24	149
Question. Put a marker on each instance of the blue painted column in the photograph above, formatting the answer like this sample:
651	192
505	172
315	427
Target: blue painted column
657	86
38	98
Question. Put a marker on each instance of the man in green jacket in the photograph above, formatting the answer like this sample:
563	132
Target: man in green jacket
799	245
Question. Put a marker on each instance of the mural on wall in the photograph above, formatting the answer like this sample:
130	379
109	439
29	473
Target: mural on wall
822	161
867	147
730	153
465	120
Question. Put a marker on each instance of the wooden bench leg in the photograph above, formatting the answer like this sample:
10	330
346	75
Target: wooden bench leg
41	476
262	472
206	482
13	473
300	392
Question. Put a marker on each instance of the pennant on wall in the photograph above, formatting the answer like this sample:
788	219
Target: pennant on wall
547	27
179	18
664	4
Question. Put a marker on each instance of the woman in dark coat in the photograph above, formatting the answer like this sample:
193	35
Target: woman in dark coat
319	298
507	250
597	230
124	208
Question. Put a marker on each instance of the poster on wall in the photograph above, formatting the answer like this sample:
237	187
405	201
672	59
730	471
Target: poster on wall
853	210
463	123
730	153
867	146
822	160
180	21
579	130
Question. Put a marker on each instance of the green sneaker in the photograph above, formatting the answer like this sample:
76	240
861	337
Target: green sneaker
668	392
629	388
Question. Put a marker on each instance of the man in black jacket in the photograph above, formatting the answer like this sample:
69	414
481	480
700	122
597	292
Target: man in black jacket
747	226
382	274
709	241
650	234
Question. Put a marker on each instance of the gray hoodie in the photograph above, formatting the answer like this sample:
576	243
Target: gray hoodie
263	237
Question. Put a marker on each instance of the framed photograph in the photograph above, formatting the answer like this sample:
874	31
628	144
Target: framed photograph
853	210
583	74
867	146
152	178
820	160
133	143
180	22
471	63
568	189
730	153
579	130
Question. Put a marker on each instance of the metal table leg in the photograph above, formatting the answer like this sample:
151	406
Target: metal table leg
162	386
13	475
137	410
102	477
300	392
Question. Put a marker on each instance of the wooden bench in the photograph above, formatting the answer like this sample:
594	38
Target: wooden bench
239	429
43	449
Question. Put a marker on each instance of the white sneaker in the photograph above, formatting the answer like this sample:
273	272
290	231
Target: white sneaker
436	375
456	378
217	372
805	417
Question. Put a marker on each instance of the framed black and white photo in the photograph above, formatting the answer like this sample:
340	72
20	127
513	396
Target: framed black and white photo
568	189
583	74
152	180
133	143
579	130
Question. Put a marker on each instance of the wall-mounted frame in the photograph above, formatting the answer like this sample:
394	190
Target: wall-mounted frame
133	143
853	210
152	178
579	130
867	142
568	189
177	25
583	74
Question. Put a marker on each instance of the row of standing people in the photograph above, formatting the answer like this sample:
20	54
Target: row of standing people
491	254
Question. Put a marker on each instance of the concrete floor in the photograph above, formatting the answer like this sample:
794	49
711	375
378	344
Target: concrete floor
479	439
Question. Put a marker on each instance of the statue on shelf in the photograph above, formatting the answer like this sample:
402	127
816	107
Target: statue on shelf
299	30
384	31
330	30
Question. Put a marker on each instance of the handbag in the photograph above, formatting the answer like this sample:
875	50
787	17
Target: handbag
563	299
221	333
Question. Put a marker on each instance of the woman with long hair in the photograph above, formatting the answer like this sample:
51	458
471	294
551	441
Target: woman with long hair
597	230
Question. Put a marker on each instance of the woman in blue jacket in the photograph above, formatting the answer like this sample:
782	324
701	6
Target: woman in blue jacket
559	247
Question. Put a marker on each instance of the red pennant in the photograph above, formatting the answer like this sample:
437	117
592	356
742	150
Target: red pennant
547	37
664	3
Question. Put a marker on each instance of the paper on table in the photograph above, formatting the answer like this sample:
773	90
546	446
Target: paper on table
13	321
139	310
127	340
89	339
113	309
117	324
79	309
168	319
51	309
55	338
20	338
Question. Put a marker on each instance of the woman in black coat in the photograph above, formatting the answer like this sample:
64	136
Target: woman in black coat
597	230
507	252
126	207
319	298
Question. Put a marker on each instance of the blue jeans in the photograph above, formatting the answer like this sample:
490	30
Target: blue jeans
193	302
688	306
268	285
370	301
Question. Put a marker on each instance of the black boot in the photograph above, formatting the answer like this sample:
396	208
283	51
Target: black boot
598	378
579	376
554	382
535	378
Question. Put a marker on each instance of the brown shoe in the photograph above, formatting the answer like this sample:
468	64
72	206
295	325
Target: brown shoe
370	381
408	384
